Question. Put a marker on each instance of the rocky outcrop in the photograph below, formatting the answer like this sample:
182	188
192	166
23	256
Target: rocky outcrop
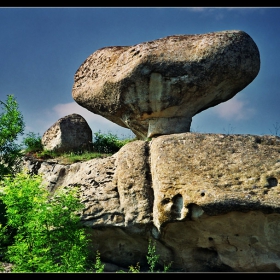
70	133
155	88
210	201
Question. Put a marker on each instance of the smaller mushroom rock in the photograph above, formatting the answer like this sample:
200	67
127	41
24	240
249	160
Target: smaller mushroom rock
155	88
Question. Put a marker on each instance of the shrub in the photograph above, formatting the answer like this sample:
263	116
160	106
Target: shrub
32	142
48	234
108	143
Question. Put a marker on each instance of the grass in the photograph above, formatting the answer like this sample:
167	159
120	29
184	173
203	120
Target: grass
72	157
67	158
104	145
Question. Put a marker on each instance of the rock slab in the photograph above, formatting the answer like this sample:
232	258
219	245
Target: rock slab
211	202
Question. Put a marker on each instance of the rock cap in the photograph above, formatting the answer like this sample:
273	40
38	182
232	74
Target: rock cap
155	88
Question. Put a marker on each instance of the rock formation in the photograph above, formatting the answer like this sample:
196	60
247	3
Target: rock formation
210	201
70	133
155	88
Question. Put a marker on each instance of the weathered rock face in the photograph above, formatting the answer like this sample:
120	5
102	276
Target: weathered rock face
210	201
156	87
70	133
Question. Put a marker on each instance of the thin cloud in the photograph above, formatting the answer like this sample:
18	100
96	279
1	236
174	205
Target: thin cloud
96	122
234	109
221	12
217	13
198	10
49	116
62	110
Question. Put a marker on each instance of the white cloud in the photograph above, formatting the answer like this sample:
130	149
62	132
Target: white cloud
234	109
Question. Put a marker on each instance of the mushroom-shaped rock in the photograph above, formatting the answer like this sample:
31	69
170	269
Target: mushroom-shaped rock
156	87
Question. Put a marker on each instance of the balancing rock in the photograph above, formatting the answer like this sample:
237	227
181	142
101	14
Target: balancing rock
155	88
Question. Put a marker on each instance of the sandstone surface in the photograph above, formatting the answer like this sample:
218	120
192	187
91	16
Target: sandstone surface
209	201
70	133
155	88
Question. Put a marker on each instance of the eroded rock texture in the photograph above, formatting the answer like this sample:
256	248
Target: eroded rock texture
155	88
70	133
210	201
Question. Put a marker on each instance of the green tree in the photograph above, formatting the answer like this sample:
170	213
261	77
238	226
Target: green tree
11	126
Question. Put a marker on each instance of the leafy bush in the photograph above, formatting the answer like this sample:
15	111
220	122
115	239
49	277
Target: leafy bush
44	233
11	126
48	237
108	143
32	142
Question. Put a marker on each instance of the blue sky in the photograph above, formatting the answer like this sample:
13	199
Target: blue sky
41	49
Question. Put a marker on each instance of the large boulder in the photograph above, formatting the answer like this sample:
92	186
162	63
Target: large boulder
70	133
156	87
209	201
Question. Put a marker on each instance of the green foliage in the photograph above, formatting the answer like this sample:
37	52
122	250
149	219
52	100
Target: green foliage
104	145
11	126
167	267
45	154
2	268
49	237
32	142
68	158
74	157
134	269
98	266
108	143
152	257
